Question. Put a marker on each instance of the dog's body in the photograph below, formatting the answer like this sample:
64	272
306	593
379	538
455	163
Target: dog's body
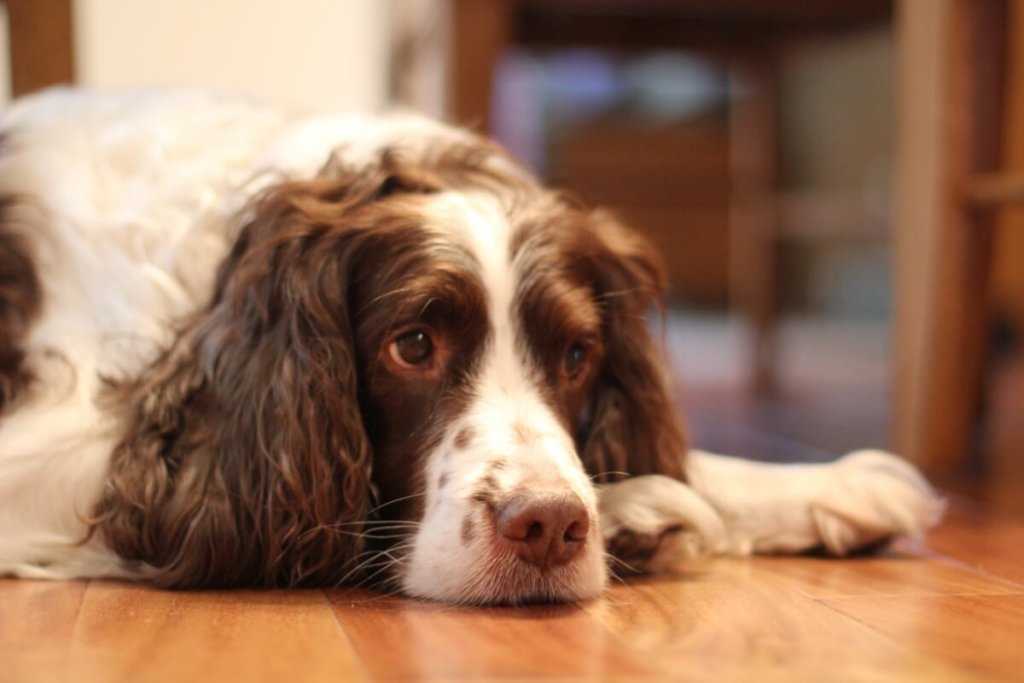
244	347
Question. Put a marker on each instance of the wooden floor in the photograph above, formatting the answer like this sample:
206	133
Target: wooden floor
951	608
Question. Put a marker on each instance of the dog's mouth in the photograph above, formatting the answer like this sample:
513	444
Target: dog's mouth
510	582
491	569
514	582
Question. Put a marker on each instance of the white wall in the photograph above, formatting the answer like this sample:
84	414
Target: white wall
311	53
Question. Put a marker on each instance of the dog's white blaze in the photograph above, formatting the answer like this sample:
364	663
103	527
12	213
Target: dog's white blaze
510	423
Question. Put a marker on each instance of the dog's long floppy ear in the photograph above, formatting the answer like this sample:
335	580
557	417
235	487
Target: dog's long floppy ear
20	303
634	426
246	461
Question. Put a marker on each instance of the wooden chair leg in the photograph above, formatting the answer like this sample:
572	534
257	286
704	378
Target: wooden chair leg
754	240
41	44
482	29
943	244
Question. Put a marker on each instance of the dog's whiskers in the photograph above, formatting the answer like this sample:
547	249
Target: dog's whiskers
394	501
378	560
617	561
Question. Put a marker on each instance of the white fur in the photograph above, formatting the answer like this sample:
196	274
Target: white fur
667	511
734	506
859	499
129	196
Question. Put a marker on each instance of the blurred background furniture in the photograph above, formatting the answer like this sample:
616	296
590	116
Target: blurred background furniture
959	244
737	236
41	44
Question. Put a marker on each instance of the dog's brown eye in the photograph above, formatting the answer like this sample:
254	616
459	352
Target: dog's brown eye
575	357
413	348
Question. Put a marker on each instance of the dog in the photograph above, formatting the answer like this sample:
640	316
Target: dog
242	346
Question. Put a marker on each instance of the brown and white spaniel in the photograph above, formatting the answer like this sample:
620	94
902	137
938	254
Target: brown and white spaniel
245	347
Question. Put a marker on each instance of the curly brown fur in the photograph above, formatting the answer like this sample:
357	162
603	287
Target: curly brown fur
20	302
256	442
247	460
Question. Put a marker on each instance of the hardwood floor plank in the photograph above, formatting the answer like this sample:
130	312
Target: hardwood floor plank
34	612
905	570
738	619
982	633
37	622
137	634
738	622
988	543
399	639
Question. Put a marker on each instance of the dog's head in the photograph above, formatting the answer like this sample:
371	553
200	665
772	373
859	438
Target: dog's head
411	370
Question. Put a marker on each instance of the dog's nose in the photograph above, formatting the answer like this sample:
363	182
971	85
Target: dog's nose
546	530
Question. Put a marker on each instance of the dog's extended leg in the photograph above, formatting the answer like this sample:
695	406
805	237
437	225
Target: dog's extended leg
739	506
861	499
649	522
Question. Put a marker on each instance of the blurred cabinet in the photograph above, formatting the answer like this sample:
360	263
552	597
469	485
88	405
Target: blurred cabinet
671	181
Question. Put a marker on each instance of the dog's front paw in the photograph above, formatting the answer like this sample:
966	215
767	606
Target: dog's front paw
650	522
872	496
